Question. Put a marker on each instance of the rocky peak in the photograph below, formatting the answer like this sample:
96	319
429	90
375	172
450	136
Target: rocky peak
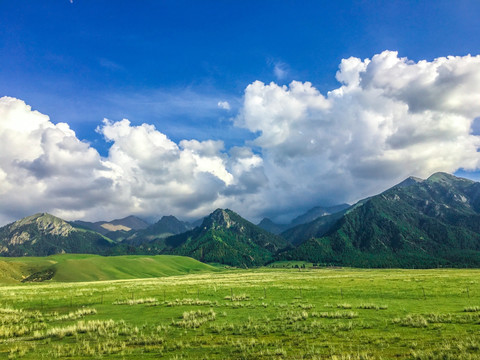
219	218
20	232
46	223
411	180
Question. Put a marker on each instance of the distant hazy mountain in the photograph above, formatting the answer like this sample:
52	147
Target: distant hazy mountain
103	227
316	228
272	227
197	223
310	215
165	227
421	223
44	234
317	212
132	222
225	237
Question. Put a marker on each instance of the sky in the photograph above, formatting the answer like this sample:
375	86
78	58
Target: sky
268	108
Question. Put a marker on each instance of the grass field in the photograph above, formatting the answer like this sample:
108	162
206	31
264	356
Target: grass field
267	313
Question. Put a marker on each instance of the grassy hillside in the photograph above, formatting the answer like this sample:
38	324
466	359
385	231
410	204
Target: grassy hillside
73	267
14	270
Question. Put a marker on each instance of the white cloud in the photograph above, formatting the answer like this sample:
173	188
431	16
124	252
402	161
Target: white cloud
44	167
225	105
158	176
389	119
280	70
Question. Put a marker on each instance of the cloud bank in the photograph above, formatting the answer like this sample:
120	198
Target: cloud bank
389	119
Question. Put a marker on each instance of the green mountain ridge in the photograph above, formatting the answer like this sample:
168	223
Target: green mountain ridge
225	237
434	222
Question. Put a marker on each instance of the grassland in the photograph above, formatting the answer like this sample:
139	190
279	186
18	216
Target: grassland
267	313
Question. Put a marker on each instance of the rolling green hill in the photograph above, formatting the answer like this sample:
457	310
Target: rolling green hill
80	267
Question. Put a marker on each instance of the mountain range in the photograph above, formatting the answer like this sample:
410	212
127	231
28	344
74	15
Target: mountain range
104	227
417	223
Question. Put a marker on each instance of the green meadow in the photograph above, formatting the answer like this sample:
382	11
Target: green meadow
189	310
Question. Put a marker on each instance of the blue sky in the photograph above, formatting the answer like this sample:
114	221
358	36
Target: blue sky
75	61
170	63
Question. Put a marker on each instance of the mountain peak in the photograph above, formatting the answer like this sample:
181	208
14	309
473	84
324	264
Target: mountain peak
168	218
448	179
272	227
411	180
170	224
46	223
131	222
441	176
43	234
419	223
226	237
265	222
219	218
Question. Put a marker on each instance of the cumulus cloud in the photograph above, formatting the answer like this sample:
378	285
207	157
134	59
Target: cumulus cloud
389	118
45	167
225	105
